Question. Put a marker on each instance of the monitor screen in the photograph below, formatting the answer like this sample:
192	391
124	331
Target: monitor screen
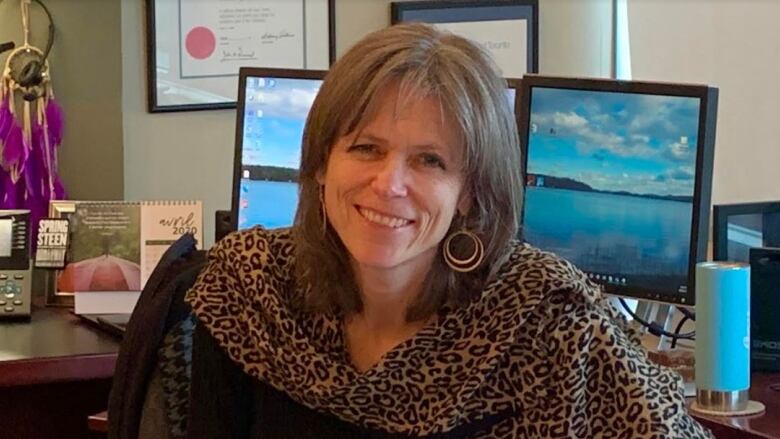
739	227
272	109
618	178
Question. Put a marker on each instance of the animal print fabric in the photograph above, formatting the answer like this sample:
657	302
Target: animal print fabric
539	342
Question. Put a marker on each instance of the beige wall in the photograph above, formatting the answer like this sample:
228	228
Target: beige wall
190	155
734	45
86	69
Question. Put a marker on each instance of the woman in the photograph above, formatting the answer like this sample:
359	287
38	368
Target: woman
399	304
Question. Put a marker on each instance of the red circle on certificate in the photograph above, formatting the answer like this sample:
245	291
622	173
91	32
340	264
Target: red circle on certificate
200	42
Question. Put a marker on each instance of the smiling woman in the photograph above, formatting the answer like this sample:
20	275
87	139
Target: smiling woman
399	302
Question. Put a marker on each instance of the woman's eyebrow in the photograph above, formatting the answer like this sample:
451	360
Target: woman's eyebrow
363	135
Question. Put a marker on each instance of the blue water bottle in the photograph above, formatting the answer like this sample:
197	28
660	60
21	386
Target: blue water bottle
722	336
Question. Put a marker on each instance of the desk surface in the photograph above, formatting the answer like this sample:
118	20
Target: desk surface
54	346
766	425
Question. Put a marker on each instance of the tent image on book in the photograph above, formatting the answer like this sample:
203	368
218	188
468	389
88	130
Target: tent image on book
101	273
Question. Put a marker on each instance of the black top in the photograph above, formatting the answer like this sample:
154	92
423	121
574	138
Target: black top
227	403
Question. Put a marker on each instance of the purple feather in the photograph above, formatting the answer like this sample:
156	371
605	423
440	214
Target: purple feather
4	188
8	200
6	119
14	150
59	189
56	122
35	173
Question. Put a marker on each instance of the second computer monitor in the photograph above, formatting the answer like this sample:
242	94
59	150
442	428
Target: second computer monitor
618	177
273	105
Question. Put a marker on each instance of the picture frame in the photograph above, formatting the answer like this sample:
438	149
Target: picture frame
738	227
57	209
193	60
509	29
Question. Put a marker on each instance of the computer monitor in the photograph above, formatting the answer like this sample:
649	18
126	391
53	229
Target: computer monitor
272	108
739	227
618	177
513	92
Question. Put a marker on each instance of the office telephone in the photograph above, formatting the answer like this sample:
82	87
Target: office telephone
15	266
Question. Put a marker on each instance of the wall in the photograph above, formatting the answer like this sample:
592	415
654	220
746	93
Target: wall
190	155
733	45
86	70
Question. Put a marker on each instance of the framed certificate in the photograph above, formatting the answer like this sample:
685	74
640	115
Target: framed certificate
508	29
195	47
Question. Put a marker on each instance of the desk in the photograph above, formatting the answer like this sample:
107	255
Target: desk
761	426
54	372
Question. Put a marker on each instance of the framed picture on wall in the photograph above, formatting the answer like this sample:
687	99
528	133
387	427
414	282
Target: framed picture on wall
509	29
195	48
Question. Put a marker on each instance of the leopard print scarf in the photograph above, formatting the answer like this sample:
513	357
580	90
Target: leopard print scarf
539	343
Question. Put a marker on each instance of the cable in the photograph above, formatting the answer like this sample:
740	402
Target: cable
50	40
7	46
689	314
676	335
30	74
653	327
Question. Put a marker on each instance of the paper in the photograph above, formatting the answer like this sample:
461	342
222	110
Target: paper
162	223
217	38
504	39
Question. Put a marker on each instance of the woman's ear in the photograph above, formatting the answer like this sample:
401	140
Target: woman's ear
320	176
464	204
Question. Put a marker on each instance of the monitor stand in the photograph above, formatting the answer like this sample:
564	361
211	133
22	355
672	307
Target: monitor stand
666	316
661	315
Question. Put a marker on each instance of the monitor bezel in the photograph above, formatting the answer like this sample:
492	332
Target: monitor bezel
720	221
704	164
243	74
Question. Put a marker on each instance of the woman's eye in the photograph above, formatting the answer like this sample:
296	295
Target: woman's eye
364	149
432	161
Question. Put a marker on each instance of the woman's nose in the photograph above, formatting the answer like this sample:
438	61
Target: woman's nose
390	180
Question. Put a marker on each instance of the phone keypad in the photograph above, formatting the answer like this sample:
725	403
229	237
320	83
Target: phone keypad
11	292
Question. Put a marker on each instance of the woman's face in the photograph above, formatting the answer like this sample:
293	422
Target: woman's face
393	186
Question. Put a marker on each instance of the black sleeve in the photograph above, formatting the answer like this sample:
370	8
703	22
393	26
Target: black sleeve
220	393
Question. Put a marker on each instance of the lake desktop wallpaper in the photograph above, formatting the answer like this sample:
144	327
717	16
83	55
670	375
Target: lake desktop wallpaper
274	116
610	183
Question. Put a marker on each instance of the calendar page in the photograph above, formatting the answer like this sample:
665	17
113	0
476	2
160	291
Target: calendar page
162	223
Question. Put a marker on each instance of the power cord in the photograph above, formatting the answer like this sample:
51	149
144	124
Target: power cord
657	329
676	335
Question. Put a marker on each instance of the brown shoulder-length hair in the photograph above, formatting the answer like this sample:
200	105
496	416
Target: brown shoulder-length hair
465	80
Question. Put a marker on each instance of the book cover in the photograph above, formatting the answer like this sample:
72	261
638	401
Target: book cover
105	248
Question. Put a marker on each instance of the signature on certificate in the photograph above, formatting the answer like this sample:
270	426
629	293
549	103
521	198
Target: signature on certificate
272	37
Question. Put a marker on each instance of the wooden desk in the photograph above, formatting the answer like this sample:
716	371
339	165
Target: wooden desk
761	426
54	372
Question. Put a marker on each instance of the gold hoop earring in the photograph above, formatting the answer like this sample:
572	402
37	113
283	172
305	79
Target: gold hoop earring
468	264
322	209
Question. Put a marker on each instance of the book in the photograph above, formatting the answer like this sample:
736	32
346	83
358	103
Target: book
115	246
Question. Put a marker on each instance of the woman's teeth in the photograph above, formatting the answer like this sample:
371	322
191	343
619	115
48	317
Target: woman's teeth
384	220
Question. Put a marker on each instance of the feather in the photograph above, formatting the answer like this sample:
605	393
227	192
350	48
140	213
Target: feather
4	180
55	122
9	192
6	119
59	189
35	173
14	148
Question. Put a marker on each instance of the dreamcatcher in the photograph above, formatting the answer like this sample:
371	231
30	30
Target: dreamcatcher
31	127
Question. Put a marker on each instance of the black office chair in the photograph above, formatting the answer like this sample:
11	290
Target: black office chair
150	390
